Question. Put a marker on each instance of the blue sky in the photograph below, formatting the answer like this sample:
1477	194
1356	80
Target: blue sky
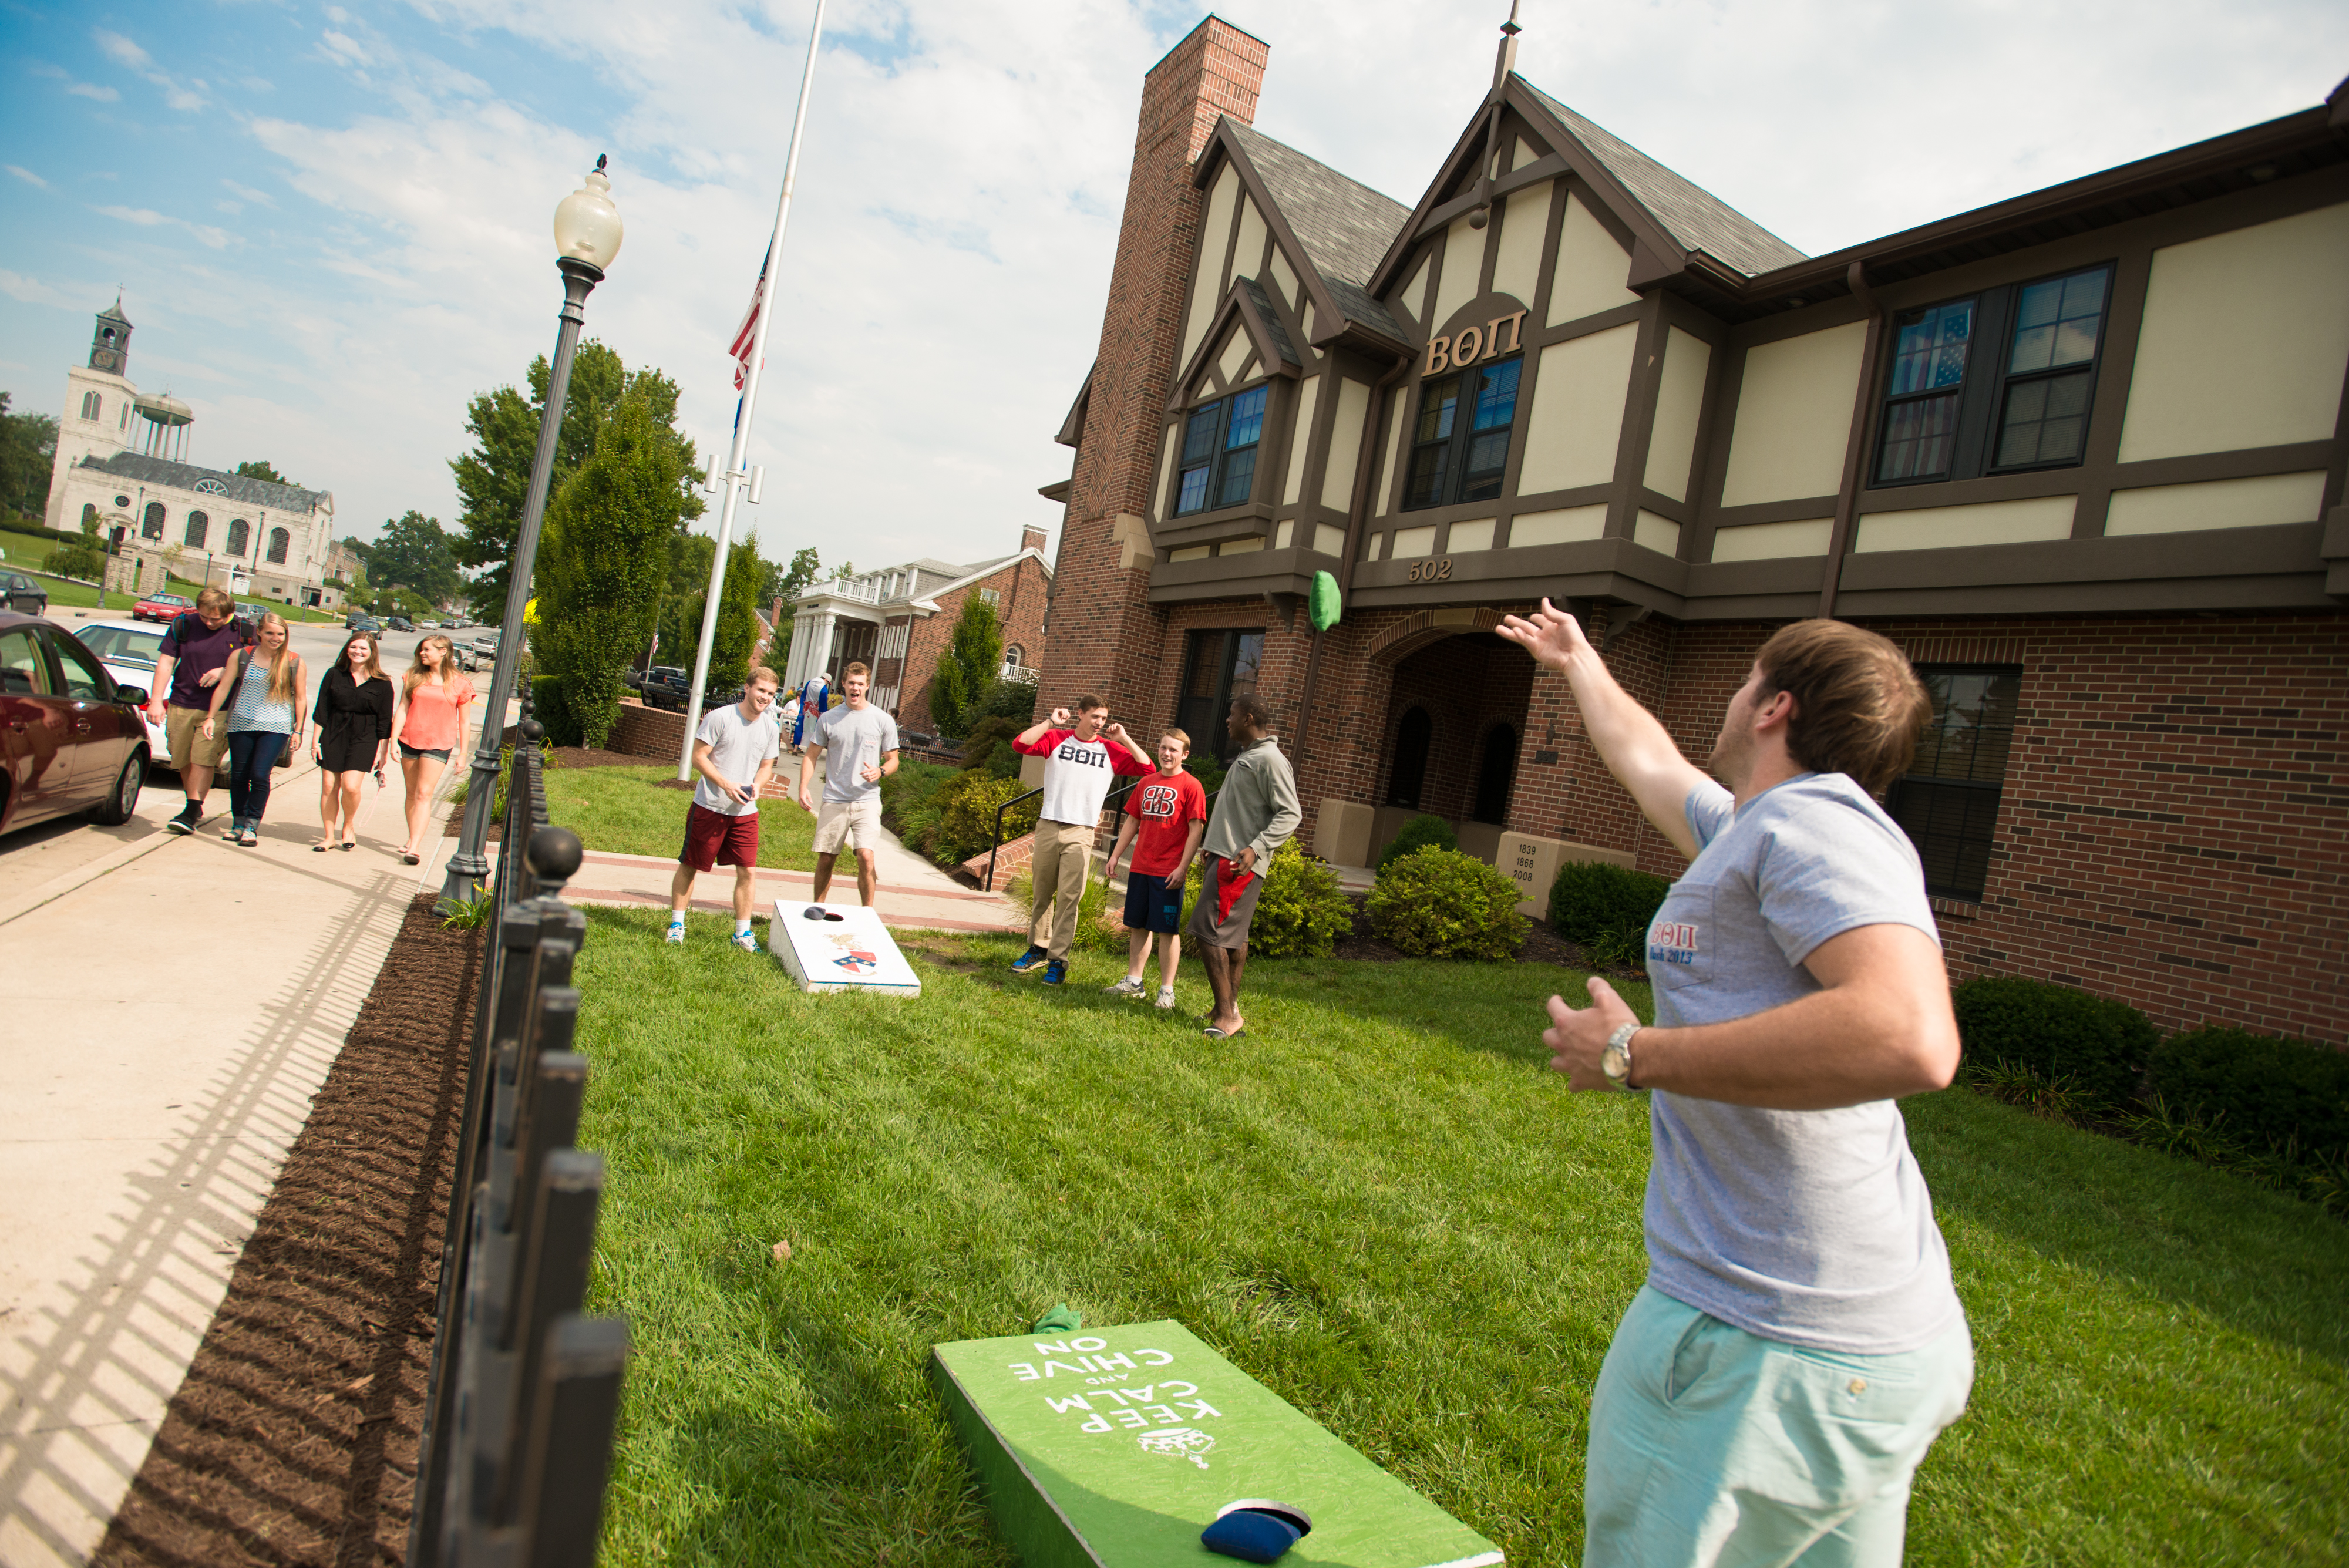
330	223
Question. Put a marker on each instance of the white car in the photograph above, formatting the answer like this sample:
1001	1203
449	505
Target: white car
128	649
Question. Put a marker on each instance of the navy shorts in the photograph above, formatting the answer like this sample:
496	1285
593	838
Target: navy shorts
1152	904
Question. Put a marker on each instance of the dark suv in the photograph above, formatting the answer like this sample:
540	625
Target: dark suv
666	686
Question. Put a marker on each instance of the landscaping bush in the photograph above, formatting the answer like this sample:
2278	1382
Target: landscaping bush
77	558
1591	902
1302	912
987	748
2057	1033
910	805
967	815
552	709
1418	834
1439	903
2256	1089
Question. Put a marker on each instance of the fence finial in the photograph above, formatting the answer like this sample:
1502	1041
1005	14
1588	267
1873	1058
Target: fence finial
554	855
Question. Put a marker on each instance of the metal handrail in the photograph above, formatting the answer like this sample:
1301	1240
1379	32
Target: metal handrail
1114	801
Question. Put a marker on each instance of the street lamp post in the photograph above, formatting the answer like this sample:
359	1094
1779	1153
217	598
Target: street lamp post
587	233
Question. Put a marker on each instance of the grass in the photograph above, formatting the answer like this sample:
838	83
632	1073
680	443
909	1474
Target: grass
23	553
619	811
1379	1203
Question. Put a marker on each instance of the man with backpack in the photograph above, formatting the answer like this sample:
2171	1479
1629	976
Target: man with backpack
188	665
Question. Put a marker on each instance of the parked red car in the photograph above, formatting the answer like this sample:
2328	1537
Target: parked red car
162	607
71	738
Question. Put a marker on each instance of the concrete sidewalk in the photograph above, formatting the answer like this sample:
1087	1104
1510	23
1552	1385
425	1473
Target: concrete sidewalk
912	894
174	1004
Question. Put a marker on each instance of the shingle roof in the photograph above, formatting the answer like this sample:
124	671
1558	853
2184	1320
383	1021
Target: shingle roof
1343	225
138	466
1271	318
1699	219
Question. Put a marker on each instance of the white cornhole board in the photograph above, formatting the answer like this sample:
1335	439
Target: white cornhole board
850	949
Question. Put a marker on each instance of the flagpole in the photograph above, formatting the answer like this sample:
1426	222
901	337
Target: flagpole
738	472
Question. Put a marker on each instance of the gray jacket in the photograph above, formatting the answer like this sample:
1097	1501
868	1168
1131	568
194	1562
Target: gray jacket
1257	808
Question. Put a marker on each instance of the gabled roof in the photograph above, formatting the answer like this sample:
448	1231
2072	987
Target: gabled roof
1695	217
1344	226
138	466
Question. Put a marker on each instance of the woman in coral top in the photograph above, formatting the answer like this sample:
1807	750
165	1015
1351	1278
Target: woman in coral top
434	694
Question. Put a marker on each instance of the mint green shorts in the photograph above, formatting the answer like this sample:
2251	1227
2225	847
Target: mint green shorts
1712	1446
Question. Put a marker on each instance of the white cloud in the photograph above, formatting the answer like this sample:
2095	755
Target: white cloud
121	50
26	175
246	192
32	291
92	90
145	217
148	218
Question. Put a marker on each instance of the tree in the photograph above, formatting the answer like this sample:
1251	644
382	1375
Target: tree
605	560
494	479
258	470
968	671
787	583
413	552
28	452
738	615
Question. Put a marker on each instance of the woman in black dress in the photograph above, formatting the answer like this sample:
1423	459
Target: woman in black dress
353	720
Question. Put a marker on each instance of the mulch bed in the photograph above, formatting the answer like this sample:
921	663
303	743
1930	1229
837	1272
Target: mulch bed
293	1439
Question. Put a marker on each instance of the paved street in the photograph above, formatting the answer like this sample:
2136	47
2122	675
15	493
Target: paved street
174	1003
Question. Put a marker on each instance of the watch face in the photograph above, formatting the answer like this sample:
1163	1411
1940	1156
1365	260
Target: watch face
1613	1063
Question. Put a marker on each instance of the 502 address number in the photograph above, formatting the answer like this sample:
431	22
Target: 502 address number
1436	571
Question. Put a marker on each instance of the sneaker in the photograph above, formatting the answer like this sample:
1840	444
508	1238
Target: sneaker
676	937
190	815
1028	961
748	941
1129	986
1165	998
1056	972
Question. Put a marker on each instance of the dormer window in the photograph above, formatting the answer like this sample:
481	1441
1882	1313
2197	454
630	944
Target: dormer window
1461	452
1219	448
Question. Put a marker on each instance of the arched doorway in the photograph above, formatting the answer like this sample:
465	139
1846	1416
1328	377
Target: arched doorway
1494	774
1408	779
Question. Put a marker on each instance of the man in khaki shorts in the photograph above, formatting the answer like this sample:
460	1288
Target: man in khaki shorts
856	745
188	665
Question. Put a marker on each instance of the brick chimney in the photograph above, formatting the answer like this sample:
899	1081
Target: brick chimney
1105	636
1031	538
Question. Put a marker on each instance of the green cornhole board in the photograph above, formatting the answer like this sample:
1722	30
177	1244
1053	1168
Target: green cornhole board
1117	1446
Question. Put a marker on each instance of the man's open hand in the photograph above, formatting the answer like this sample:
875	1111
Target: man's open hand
1578	1038
1551	636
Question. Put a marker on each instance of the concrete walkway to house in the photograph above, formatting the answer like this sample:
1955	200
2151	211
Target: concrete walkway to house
173	1004
913	895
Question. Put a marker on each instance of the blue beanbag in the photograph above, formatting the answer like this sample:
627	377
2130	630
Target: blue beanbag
1256	1532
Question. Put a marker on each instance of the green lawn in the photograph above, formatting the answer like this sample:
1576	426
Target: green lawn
619	811
23	553
1378	1202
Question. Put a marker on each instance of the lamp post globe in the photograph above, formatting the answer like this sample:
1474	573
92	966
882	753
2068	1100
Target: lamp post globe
587	233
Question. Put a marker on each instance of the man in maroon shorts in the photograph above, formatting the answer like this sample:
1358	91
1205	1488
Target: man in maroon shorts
734	752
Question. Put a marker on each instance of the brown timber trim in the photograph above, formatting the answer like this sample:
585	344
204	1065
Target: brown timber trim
1639	425
1366	468
1855	443
1072	428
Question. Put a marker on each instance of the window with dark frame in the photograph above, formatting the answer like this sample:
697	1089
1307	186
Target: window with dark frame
1220	440
1947	803
1999	382
1460	452
1217	666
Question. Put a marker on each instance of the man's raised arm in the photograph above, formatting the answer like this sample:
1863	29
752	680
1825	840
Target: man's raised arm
1630	740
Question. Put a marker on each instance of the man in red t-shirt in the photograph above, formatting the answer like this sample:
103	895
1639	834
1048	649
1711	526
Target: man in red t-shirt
1082	755
1165	817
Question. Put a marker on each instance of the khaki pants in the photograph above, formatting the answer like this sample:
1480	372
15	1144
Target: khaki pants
1063	856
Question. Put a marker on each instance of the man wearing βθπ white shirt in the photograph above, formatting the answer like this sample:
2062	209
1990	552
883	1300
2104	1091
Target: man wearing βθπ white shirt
1080	754
1798	1344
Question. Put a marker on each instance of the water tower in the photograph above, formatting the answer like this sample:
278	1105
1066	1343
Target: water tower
168	420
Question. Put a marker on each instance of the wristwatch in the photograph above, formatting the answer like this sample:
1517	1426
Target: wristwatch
1615	1060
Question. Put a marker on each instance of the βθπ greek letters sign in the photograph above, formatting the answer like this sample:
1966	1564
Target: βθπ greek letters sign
1118	1446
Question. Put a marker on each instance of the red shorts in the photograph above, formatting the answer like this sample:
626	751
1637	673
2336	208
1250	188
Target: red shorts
714	838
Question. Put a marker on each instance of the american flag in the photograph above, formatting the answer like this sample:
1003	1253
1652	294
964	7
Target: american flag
747	335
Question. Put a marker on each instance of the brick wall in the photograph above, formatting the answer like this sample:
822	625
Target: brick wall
1105	632
653	732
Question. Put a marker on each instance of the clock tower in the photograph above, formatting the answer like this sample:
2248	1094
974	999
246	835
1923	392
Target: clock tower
99	400
109	344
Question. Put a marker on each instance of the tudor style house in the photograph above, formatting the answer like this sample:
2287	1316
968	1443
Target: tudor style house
2080	453
900	619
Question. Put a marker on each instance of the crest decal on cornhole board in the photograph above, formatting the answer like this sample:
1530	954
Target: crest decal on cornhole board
843	948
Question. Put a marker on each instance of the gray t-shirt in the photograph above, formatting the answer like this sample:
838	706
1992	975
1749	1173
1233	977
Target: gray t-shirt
736	749
854	739
1812	1228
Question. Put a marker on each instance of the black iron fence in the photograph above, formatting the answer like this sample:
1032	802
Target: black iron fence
525	1392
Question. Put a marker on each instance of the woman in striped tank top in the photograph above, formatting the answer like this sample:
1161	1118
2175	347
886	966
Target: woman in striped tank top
263	691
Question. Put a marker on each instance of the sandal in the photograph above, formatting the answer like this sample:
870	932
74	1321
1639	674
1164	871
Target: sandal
350	844
321	847
1212	1033
409	857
